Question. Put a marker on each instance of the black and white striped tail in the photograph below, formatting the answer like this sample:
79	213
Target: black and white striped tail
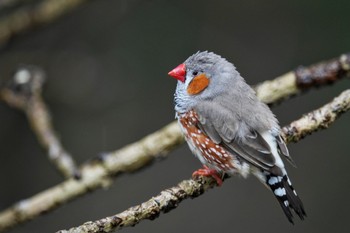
287	197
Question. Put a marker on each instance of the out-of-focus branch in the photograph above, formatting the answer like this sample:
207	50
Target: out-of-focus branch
24	92
27	17
171	198
8	3
97	174
303	78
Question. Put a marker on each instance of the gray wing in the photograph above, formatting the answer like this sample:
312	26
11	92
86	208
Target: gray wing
223	128
284	150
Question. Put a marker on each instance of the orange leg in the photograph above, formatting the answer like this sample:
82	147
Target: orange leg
206	171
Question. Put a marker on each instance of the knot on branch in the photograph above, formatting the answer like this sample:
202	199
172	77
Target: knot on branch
323	73
25	84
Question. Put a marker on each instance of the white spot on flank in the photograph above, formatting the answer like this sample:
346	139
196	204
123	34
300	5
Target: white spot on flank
203	145
295	193
280	192
217	152
217	161
286	203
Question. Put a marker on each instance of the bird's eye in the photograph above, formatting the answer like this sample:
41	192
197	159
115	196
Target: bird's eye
195	73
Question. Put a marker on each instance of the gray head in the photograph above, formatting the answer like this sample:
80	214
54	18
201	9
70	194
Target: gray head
210	85
203	76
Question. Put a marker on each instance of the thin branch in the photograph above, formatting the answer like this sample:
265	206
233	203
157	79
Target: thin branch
4	4
26	18
303	78
23	91
172	197
97	174
321	118
151	209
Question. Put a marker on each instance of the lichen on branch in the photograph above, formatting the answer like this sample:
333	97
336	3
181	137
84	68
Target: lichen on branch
172	197
100	173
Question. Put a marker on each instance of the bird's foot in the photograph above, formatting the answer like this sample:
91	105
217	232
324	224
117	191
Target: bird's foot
206	171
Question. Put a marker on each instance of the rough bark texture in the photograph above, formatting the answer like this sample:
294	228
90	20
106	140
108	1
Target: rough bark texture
99	173
321	118
304	78
163	202
170	198
95	174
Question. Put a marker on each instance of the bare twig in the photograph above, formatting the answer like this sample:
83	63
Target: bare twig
94	175
25	18
24	92
98	174
171	198
303	78
163	202
321	118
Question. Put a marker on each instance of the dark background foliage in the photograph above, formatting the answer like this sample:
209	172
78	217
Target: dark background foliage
107	64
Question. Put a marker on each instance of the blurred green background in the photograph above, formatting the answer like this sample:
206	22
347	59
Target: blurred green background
107	86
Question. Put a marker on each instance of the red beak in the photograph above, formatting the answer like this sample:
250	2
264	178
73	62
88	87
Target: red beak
179	73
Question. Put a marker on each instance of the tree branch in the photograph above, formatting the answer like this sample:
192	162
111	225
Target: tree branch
321	118
99	173
151	209
23	92
95	174
172	197
303	78
26	18
8	3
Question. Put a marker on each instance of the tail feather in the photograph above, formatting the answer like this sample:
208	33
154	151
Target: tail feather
287	197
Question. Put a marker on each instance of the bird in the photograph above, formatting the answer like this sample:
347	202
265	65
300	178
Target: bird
229	129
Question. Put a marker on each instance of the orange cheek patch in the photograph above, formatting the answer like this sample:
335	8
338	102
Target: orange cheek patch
198	84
